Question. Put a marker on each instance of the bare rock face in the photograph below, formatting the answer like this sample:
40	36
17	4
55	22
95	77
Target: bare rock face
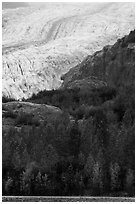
42	44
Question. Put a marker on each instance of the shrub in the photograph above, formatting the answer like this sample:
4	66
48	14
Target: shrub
10	114
26	119
6	99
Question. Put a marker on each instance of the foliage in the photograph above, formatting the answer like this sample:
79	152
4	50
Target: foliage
10	114
26	119
6	99
89	150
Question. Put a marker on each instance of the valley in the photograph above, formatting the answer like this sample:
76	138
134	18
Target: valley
39	47
78	140
68	102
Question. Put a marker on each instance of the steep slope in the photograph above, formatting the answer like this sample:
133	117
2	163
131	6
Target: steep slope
106	79
86	148
40	45
113	66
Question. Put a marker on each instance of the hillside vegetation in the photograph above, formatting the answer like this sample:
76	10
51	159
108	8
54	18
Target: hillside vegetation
89	148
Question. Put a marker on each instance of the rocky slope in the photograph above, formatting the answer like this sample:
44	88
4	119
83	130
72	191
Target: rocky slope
113	66
40	45
17	114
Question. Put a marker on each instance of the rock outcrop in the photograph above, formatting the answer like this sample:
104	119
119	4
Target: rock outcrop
17	114
40	45
113	66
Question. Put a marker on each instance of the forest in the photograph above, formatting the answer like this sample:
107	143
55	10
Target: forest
90	153
88	150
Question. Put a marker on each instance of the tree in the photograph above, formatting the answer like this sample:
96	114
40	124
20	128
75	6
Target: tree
114	173
75	140
49	158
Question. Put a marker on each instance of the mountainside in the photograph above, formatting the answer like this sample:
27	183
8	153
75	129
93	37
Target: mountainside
105	79
83	142
40	45
113	66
